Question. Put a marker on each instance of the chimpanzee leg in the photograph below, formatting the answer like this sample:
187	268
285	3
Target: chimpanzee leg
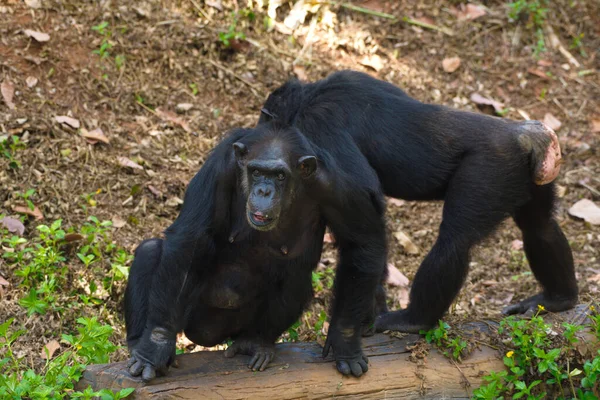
145	262
548	253
472	210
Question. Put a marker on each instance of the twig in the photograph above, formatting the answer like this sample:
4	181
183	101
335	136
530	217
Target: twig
256	91
556	44
591	189
393	18
461	372
145	107
200	10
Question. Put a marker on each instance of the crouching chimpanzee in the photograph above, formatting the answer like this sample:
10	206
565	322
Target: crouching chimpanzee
238	259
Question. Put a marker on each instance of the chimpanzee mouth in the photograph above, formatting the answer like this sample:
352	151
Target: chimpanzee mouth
258	219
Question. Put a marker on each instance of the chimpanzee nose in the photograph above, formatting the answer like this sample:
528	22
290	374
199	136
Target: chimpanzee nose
264	191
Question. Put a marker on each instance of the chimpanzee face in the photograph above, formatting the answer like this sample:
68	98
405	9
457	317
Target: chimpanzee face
270	178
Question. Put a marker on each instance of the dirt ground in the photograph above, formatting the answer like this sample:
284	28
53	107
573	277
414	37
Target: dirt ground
165	53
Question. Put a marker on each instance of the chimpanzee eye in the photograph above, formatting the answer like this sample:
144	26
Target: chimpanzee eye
255	173
281	176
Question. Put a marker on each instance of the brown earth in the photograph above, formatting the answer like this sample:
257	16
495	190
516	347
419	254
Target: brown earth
169	45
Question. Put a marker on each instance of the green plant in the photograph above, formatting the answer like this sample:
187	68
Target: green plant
57	378
445	339
25	196
9	148
535	12
577	44
232	33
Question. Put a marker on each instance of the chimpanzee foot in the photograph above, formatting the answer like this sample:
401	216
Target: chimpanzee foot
153	354
262	353
399	321
530	306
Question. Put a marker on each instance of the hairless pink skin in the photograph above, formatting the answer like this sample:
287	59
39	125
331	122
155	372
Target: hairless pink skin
551	164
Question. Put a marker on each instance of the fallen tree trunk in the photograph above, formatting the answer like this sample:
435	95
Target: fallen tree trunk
299	371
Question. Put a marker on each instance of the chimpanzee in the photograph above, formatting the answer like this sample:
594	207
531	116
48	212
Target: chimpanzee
237	261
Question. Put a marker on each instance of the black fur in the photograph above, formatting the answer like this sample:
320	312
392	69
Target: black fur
370	139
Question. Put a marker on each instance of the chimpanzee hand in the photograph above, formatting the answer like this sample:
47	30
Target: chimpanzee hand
262	353
530	305
154	353
347	351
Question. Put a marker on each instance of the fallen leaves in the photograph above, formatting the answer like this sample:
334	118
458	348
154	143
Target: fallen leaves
8	92
595	125
396	202
406	242
170	116
13	225
184	107
31	81
36	213
552	122
126	162
49	349
373	61
38	36
300	72
451	64
469	12
481	100
328	238
118	222
94	136
3	283
395	277
586	210
516	245
72	122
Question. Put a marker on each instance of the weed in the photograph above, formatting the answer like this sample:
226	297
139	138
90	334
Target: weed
535	12
445	340
576	44
232	33
25	196
194	88
9	148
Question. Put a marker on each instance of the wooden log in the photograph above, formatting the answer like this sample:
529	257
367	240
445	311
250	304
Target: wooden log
299	371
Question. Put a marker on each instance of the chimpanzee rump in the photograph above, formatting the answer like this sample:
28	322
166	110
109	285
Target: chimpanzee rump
237	261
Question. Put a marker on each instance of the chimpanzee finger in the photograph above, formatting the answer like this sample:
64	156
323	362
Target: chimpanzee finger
364	364
149	373
365	359
356	369
343	367
253	360
131	361
136	368
266	362
258	362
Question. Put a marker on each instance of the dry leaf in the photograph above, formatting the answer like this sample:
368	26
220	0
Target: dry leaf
73	237
63	119
31	81
36	4
36	213
154	191
170	116
470	12
552	122
215	4
49	349
300	72
3	283
8	92
183	107
479	99
451	64
406	242
39	36
94	136
561	191
403	297
126	162
118	222
538	72
594	278
372	61
396	202
13	225
595	125
516	244
587	210
395	277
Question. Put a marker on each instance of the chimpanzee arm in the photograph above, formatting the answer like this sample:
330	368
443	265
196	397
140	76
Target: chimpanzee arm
187	249
354	209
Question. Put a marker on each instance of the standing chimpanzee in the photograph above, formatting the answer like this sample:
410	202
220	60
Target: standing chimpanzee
237	261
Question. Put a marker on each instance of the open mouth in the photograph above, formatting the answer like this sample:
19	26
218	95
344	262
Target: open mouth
259	219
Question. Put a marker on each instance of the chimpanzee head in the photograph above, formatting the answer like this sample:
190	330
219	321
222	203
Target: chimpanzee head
273	166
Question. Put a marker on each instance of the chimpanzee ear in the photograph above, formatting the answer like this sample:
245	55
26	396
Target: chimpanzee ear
240	150
307	166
